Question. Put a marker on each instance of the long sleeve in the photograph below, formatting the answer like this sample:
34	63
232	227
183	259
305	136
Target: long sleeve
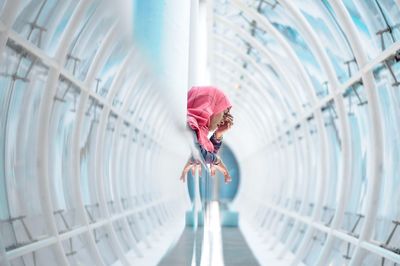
217	143
209	157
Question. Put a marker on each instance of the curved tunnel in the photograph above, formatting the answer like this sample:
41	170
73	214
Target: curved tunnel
93	138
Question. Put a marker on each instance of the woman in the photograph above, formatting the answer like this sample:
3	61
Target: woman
208	111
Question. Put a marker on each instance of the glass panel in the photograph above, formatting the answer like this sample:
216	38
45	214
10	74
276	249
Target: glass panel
289	153
314	165
288	226
285	24
36	19
275	49
378	18
144	221
107	163
62	127
110	68
362	23
1	5
43	256
356	108
77	250
58	27
102	238
318	241
299	237
127	81
301	169
87	158
127	177
247	48
21	215
341	253
119	162
122	236
86	43
388	212
135	228
324	23
335	163
390	12
373	259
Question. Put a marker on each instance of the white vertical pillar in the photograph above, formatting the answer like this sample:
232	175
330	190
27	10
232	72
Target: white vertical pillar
210	41
193	79
193	44
203	43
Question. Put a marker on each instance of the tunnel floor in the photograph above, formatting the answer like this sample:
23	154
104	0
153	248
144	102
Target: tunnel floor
236	252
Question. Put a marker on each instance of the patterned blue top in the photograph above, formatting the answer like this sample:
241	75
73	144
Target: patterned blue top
210	157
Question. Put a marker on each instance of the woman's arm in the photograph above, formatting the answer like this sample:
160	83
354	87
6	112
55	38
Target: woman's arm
209	157
217	143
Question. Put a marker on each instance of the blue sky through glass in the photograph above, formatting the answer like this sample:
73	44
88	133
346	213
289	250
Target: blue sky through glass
148	28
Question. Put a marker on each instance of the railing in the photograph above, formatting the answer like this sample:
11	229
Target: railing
211	244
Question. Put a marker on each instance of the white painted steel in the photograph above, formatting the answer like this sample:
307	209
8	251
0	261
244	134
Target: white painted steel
375	153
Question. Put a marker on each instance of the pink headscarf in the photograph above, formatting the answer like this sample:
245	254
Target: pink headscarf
201	104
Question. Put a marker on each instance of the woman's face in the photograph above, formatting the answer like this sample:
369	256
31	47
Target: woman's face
215	119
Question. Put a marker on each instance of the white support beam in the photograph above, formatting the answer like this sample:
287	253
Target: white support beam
375	152
99	152
270	85
373	248
24	250
295	177
46	104
251	92
247	109
284	75
346	146
266	25
100	57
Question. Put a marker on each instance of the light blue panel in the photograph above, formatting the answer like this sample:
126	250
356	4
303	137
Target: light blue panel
148	29
228	218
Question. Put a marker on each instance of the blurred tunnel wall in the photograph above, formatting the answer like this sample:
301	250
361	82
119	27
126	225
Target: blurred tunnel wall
92	132
91	147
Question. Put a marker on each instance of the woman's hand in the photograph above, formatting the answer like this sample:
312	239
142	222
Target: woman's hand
190	165
222	168
195	166
225	125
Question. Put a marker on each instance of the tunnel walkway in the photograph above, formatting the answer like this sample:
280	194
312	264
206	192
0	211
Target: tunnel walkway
236	252
217	240
235	248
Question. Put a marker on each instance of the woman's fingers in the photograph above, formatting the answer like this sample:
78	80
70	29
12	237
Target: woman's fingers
228	118
212	170
193	169
222	168
183	177
191	166
185	171
227	178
